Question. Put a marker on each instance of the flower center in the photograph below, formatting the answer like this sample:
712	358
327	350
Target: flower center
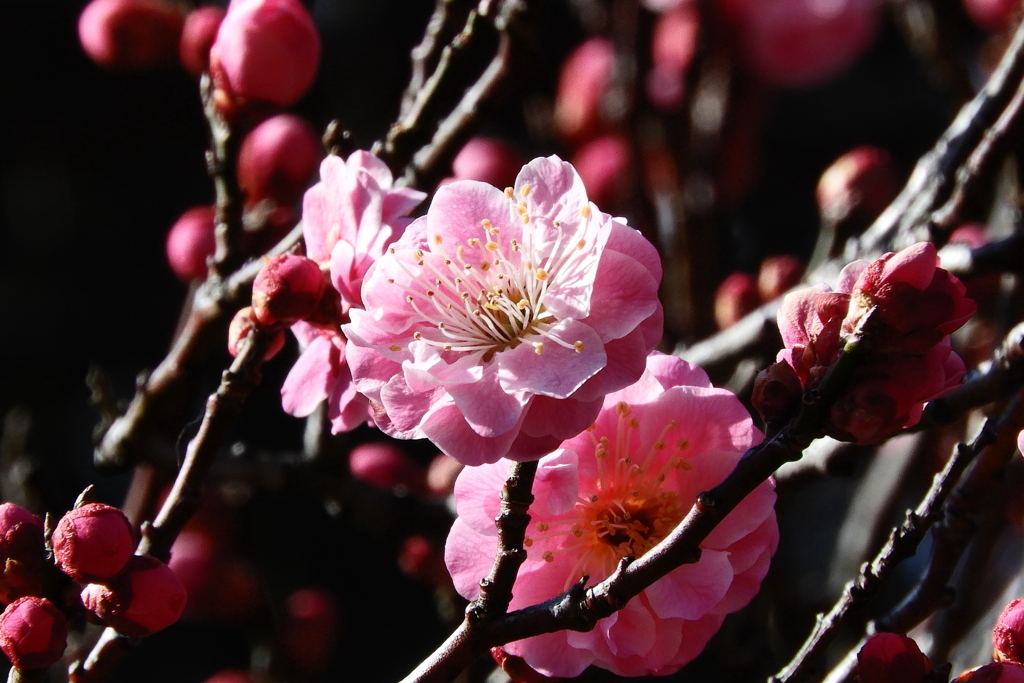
484	299
629	511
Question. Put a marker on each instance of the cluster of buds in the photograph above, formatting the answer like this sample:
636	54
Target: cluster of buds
94	544
905	307
741	293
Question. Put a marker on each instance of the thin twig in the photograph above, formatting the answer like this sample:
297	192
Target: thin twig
443	24
221	162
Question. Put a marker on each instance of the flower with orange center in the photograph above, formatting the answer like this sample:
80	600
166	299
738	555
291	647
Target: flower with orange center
615	491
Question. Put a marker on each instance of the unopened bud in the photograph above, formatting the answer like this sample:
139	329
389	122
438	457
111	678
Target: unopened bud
147	599
33	633
581	87
130	34
488	160
190	242
993	15
277	160
241	325
778	275
93	542
858	185
734	298
892	658
777	392
385	465
603	165
21	553
197	38
287	288
310	629
266	51
1008	634
231	676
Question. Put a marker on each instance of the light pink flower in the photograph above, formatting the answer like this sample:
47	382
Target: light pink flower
615	491
349	218
499	321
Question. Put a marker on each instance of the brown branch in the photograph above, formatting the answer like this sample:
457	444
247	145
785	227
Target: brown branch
442	27
221	162
184	499
1001	256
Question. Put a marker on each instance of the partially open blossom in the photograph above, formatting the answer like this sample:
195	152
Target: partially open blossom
777	275
147	599
498	322
1008	634
604	166
287	288
734	298
277	159
997	672
615	491
384	465
93	542
130	34
33	633
805	42
21	553
266	51
860	184
582	85
488	160
190	243
908	359
244	322
892	658
197	38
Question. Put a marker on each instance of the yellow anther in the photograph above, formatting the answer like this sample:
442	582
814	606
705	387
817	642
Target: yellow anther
527	542
417	335
473	242
486	223
409	299
524	190
542	526
548	556
529	265
391	280
576	530
541	274
683	444
447	347
578	346
395	347
581	244
622	409
492	246
660	446
417	255
526	219
601	453
538	348
523	303
430	292
508	192
585	211
437	239
460	251
633	423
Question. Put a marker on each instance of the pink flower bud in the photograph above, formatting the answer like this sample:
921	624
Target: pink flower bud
778	275
892	658
673	45
997	672
241	325
190	242
33	633
93	542
442	473
385	465
287	288
734	298
1008	634
277	160
197	38
777	391
581	87
147	599
859	184
310	629
993	15
604	167
21	553
266	50
488	160
420	560
130	34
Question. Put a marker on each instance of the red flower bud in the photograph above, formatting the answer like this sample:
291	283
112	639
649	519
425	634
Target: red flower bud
488	160
734	298
287	288
33	633
604	167
385	465
277	160
892	658
266	50
241	325
93	542
197	38
998	672
21	553
1008	634
130	34
190	242
860	184
778	275
147	599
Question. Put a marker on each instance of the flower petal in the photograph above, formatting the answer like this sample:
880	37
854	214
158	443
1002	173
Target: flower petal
562	370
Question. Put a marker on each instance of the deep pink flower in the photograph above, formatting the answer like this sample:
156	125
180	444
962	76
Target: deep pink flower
892	658
21	553
33	633
321	374
130	34
499	321
277	160
197	38
287	288
1008	633
147	599
93	542
191	241
615	491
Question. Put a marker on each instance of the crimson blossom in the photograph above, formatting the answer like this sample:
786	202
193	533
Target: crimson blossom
348	220
497	324
615	491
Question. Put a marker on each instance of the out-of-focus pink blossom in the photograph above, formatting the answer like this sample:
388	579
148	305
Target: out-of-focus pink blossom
1008	633
21	553
441	474
197	38
604	166
243	322
93	542
419	559
499	321
277	159
488	160
220	587
993	15
673	44
287	288
805	42
862	182
310	629
778	274
231	676
892	658
190	243
582	85
147	599
615	491
997	672
384	465
266	51
130	34
734	298
33	633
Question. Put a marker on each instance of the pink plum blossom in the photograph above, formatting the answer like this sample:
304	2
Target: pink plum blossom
349	218
498	322
615	491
